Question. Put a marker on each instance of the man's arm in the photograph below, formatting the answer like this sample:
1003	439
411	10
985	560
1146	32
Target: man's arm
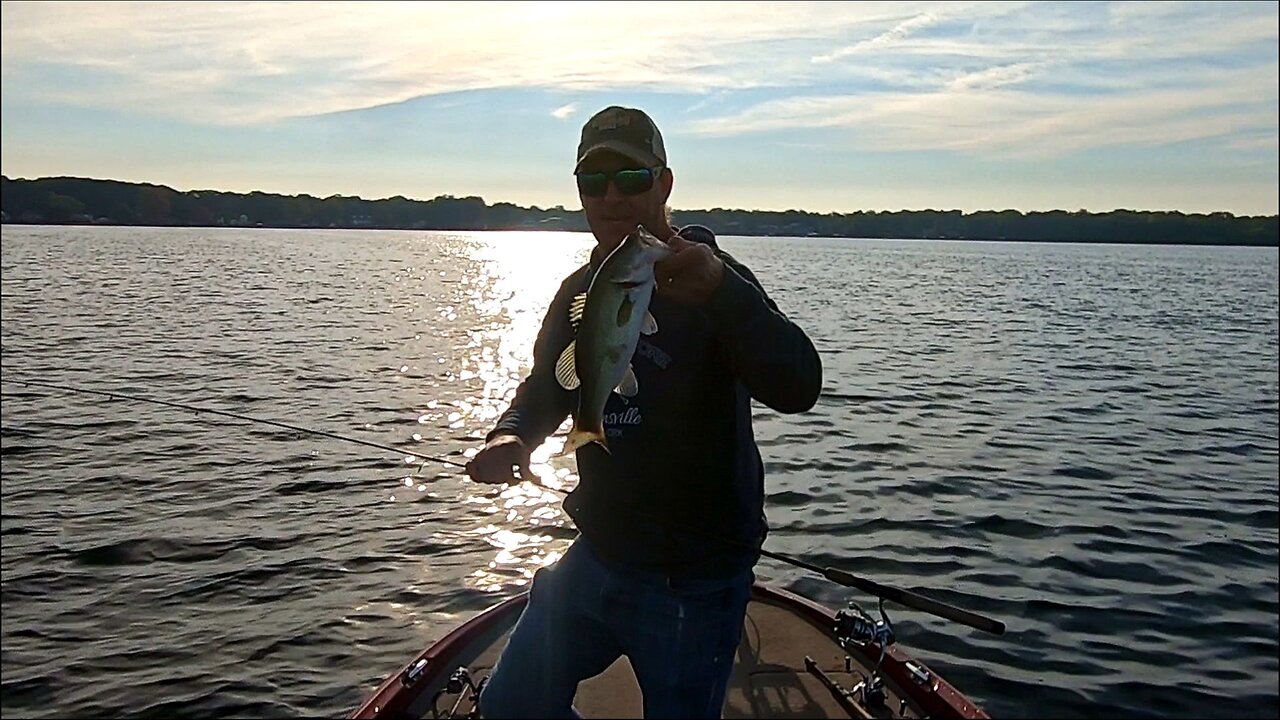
771	355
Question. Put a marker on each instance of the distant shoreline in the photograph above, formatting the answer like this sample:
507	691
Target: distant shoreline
90	202
8	223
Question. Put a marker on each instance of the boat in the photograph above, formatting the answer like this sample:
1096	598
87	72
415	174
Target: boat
796	659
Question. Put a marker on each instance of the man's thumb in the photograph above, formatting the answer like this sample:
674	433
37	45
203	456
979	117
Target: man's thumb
526	473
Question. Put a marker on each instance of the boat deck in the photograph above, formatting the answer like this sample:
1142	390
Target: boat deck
769	677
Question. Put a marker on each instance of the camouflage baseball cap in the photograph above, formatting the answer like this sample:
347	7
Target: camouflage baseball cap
626	131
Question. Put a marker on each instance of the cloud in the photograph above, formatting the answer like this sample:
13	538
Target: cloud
1046	82
1258	145
708	101
994	77
247	63
564	112
1029	79
896	33
974	115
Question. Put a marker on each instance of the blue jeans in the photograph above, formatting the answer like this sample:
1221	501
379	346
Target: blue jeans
680	636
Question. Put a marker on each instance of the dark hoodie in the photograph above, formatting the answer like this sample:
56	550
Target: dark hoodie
681	488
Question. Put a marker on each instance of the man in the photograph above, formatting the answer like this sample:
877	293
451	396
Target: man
671	514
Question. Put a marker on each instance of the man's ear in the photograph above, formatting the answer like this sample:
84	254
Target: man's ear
666	182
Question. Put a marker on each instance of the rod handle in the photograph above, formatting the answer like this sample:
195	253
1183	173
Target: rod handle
914	600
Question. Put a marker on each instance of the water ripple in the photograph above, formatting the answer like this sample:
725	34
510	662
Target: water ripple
1078	440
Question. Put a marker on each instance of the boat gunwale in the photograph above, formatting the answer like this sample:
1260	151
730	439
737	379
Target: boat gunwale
393	696
938	698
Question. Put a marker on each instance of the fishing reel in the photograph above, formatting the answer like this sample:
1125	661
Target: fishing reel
854	627
457	683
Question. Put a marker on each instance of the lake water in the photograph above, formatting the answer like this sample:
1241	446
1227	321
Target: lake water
1079	440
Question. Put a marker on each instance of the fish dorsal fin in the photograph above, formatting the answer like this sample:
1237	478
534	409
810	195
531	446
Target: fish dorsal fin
576	307
628	387
650	325
566	368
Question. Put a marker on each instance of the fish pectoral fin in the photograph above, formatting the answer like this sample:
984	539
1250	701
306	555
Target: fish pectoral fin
567	369
628	387
579	437
650	325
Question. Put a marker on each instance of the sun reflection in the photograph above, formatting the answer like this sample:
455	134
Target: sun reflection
500	305
518	557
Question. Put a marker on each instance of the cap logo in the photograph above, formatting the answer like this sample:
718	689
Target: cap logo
611	120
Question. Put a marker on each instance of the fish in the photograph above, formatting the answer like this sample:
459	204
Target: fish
609	319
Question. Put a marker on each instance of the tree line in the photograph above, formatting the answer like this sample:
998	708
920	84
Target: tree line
70	200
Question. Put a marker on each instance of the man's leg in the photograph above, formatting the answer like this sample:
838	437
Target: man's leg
683	643
555	645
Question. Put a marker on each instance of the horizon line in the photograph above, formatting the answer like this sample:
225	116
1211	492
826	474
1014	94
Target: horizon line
673	209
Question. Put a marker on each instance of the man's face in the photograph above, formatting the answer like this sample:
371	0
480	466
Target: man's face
613	215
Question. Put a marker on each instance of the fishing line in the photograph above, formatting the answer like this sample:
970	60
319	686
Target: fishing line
236	416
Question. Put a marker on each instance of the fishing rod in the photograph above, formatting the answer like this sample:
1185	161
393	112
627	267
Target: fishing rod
237	416
906	598
902	597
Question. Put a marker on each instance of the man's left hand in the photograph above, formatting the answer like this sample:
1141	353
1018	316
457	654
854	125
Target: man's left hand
690	276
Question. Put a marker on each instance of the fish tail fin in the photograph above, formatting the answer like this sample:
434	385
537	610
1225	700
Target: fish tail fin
582	436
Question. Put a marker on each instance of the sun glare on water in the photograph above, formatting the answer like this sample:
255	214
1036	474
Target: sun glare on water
517	275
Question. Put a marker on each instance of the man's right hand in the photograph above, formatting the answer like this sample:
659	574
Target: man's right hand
494	463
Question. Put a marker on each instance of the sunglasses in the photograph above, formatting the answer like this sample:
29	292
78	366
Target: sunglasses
628	182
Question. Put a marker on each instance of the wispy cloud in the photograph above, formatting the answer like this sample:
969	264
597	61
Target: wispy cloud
994	77
892	35
243	63
708	101
1045	82
564	112
977	113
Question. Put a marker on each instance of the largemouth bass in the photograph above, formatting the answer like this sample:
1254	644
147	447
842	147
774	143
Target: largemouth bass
609	319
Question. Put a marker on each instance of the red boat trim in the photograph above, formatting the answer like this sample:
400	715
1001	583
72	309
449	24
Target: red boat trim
393	698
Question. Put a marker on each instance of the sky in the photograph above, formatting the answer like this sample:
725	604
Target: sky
823	107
